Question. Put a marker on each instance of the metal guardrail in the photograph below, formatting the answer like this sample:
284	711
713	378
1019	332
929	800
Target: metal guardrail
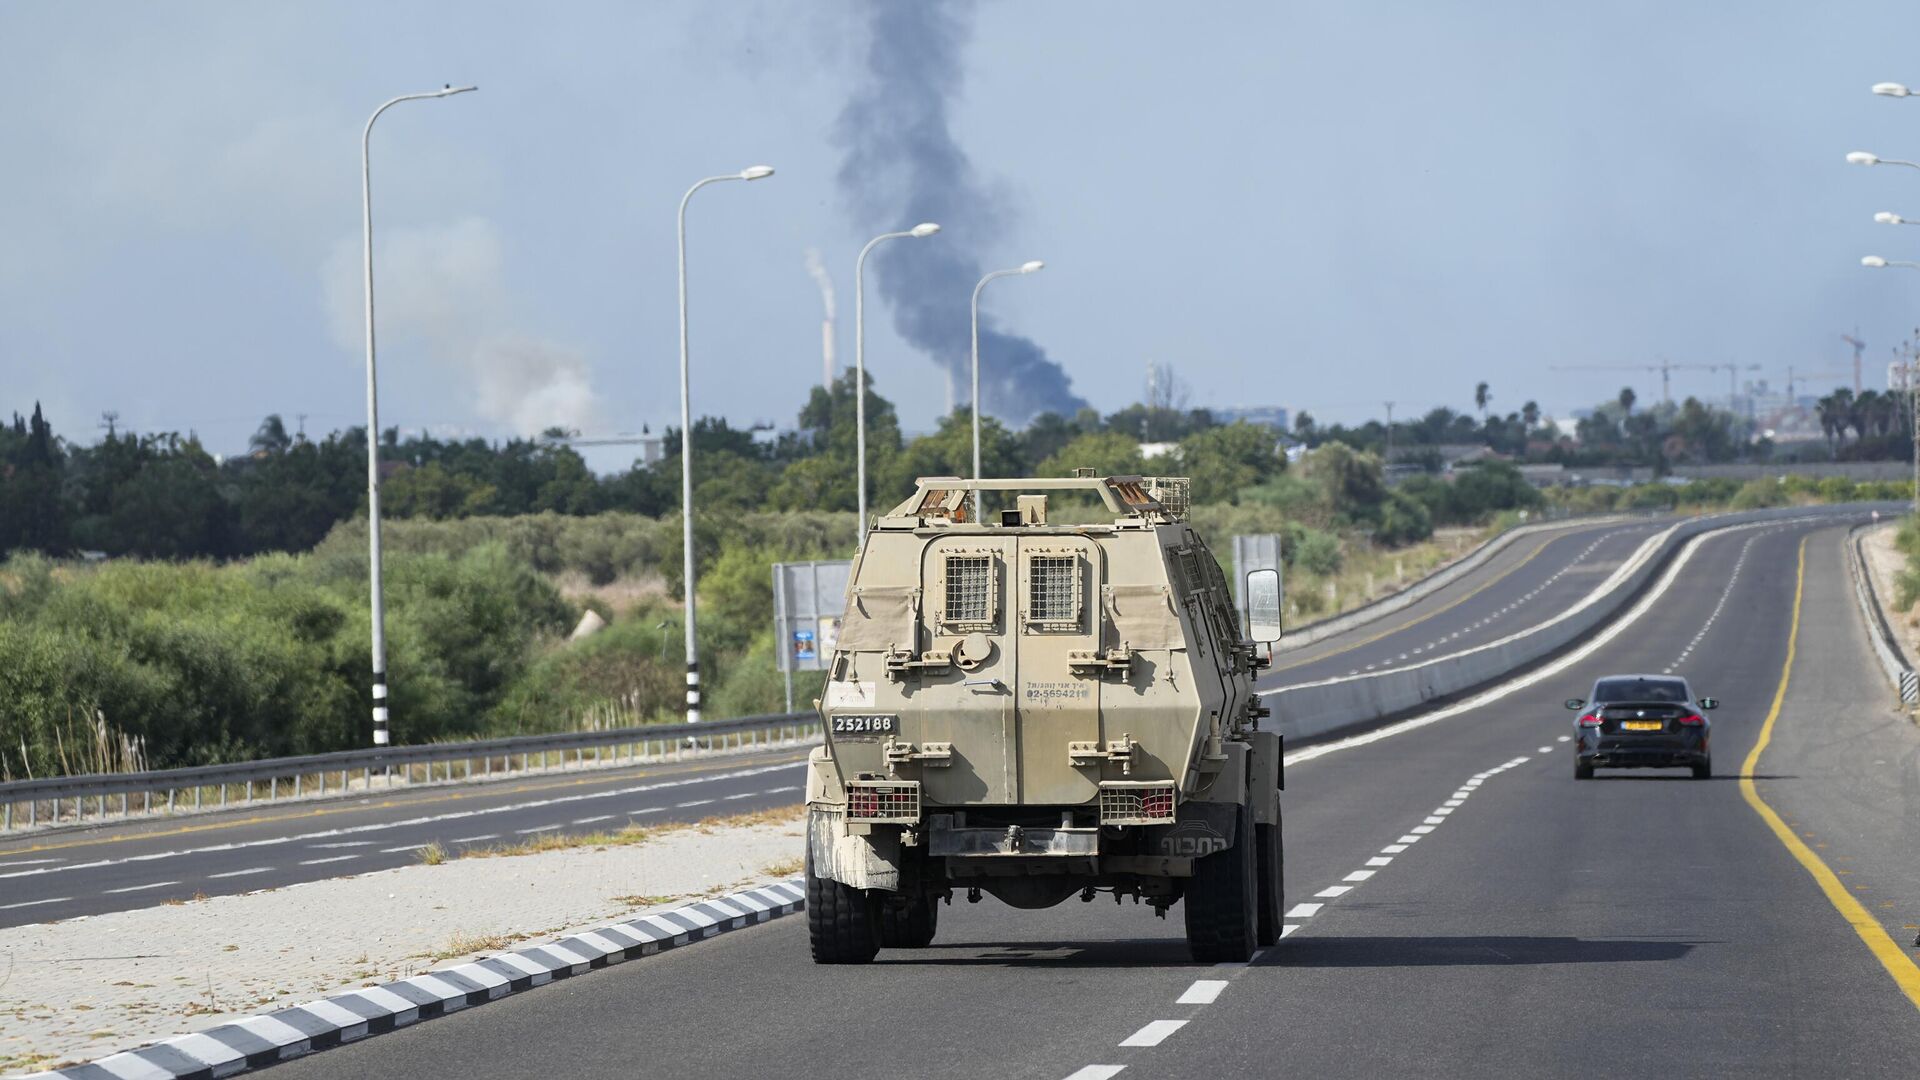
1885	646
160	791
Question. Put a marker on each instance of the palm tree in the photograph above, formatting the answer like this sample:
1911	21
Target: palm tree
1627	398
1480	399
271	437
1530	415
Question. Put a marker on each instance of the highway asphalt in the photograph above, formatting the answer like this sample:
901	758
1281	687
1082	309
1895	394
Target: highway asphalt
1529	582
122	866
86	872
1464	907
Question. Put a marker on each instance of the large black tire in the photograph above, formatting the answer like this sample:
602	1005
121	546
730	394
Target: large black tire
910	925
1582	770
840	922
1223	898
1272	859
1703	769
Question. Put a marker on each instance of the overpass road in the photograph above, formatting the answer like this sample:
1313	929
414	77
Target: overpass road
1463	907
124	866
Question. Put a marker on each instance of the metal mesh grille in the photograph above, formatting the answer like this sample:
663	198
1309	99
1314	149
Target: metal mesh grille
1136	803
883	801
1173	493
1190	569
969	592
1053	592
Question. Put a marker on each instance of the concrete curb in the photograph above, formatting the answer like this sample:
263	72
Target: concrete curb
1432	583
260	1041
1885	647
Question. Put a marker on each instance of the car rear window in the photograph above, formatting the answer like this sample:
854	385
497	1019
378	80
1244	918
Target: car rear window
1611	690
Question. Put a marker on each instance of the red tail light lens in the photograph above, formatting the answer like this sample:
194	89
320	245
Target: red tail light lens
1590	720
1693	720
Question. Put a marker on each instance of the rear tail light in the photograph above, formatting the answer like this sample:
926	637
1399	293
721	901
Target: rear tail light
1692	720
1590	720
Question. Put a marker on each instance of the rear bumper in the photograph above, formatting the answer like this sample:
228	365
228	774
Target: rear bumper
1626	752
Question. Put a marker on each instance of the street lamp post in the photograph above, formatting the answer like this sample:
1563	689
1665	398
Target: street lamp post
1913	385
1024	268
756	172
920	231
1862	157
380	736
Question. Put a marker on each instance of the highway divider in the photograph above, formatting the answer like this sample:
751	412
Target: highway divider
45	802
1334	706
1322	629
1885	646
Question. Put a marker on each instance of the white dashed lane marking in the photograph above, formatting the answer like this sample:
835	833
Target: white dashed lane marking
1334	891
29	862
535	829
591	820
1154	1033
322	862
1097	1072
1202	992
1304	911
144	888
250	871
474	839
36	903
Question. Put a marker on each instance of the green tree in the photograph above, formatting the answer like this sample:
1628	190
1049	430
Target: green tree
1224	460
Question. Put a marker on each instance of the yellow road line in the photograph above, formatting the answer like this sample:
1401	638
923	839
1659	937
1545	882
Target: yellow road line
1489	583
1905	973
354	807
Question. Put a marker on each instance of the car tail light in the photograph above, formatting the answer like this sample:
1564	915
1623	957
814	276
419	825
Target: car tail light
1590	720
1693	720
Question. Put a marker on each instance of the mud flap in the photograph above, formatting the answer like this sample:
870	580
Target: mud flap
869	861
1199	830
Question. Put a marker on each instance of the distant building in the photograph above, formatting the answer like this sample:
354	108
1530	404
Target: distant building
1273	416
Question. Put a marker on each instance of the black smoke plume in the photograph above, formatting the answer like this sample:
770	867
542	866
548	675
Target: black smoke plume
901	166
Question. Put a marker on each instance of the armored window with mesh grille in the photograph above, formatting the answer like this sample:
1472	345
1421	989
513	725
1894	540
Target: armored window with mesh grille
1053	592
969	594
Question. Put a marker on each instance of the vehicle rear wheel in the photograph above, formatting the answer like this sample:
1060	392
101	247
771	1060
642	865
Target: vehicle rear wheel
1703	769
1271	853
1582	770
839	921
910	925
1223	897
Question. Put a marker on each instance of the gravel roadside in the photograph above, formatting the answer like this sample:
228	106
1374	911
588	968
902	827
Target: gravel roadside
79	989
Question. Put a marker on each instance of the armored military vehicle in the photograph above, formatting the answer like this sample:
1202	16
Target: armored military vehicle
1039	711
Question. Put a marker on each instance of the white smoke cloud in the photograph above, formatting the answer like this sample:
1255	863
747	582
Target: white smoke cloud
446	288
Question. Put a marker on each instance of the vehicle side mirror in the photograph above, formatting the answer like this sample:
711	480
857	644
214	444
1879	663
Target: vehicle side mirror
1263	606
1709	703
1574	702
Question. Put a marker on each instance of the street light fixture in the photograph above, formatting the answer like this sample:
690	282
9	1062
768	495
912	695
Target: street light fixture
1024	268
918	232
754	172
1876	262
1891	89
380	736
1862	157
1887	217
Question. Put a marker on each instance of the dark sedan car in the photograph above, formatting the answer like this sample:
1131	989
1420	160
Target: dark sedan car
1642	722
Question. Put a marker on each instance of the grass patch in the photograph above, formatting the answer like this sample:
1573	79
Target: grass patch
627	836
464	944
785	867
431	855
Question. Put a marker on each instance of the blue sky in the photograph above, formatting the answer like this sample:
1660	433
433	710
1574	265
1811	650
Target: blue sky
1310	205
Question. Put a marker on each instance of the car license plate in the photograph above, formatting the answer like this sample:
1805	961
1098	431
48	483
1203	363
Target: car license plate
866	724
1641	725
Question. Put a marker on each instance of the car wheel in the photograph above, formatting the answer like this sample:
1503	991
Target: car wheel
840	921
1223	897
1271	857
1582	770
1703	769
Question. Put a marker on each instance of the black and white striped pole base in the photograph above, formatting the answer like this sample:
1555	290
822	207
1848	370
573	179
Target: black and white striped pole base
380	710
693	692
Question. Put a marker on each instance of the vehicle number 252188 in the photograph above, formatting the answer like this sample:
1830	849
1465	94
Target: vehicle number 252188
866	725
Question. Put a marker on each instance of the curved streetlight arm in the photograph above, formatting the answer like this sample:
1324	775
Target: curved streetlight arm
860	379
380	736
975	311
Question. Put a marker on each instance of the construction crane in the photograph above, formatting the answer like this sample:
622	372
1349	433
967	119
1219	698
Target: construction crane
1665	367
1859	347
1794	375
1733	377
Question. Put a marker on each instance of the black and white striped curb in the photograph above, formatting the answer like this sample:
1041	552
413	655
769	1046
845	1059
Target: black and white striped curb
259	1041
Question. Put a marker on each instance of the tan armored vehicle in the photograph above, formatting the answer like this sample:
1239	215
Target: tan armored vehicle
1040	711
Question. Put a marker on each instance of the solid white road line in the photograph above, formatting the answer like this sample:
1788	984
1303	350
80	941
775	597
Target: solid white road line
29	862
1304	911
240	873
1154	1033
322	862
1097	1072
1202	992
35	903
141	888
